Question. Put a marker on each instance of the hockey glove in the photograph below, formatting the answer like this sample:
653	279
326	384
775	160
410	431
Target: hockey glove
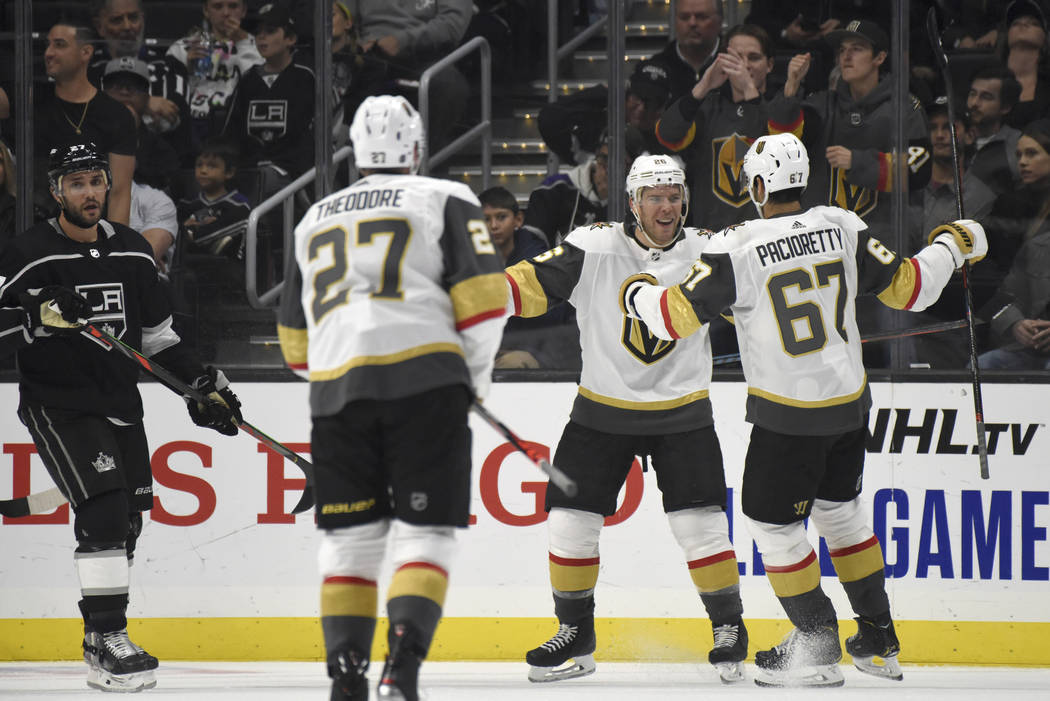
965	238
222	412
55	311
629	289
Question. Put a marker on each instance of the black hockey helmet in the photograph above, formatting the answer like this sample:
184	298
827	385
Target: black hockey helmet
75	158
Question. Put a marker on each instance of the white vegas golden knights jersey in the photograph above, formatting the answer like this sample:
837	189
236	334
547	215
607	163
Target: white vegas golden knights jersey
632	382
791	282
395	289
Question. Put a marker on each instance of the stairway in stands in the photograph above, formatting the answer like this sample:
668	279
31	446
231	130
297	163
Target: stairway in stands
519	156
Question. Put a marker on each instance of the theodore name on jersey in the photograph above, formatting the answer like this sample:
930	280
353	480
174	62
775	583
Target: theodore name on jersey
363	199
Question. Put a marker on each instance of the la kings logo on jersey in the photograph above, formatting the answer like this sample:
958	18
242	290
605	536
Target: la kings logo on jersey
267	119
727	159
107	308
639	340
104	463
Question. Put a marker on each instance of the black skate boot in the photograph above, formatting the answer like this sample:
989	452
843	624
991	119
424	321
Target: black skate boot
802	659
347	669
875	647
730	651
574	643
117	664
400	678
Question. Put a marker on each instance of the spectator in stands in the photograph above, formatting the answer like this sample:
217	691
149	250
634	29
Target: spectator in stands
72	110
347	63
126	80
1025	54
506	224
993	93
215	55
1020	313
272	111
407	38
939	202
214	219
572	126
579	197
854	127
798	27
713	126
698	25
8	192
153	215
122	26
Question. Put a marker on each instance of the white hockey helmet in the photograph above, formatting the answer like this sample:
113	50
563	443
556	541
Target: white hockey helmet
654	171
387	132
780	160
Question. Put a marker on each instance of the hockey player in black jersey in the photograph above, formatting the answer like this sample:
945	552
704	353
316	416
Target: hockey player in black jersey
791	279
79	399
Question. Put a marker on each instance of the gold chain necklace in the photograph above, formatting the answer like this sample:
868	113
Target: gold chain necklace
83	115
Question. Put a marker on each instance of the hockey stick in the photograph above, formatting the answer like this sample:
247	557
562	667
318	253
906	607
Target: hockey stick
562	480
874	337
167	378
39	503
978	401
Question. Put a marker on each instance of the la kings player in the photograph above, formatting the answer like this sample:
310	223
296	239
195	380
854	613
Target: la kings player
79	398
394	305
638	396
790	280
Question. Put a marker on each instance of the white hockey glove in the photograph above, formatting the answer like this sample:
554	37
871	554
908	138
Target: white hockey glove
55	311
629	289
965	238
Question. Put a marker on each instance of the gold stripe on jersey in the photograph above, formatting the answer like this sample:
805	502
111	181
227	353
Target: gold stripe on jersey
388	359
904	287
419	579
644	406
858	561
532	297
573	574
293	345
809	404
679	316
796	579
714	573
349	596
478	298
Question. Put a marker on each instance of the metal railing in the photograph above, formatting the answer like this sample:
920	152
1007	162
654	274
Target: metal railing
284	197
483	129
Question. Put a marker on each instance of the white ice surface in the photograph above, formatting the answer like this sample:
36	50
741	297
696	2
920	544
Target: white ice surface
491	681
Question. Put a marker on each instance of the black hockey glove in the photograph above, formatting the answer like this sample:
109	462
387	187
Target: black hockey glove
223	410
55	311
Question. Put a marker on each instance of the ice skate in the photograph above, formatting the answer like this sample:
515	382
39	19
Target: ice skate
875	648
802	659
117	664
400	677
347	669
569	654
729	652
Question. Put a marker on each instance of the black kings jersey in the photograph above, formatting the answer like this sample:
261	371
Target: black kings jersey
791	282
118	277
632	382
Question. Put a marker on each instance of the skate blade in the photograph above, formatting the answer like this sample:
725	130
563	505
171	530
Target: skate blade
882	667
730	672
809	676
576	667
121	683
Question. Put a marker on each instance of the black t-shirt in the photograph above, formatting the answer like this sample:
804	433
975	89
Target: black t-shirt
101	120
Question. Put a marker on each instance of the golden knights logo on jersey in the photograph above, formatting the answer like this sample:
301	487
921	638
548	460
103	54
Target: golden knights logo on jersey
267	119
107	308
642	343
852	197
727	159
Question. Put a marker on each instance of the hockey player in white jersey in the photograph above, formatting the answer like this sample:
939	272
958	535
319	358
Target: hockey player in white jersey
790	280
638	396
394	305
